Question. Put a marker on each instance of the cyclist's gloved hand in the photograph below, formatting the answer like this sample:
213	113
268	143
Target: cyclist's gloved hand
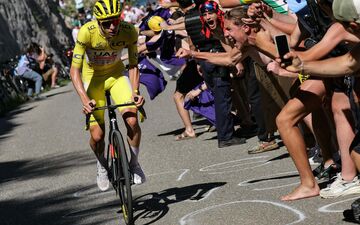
139	100
88	107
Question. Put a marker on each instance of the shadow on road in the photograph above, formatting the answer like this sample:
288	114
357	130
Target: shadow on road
179	131
154	206
272	178
41	207
46	209
58	93
280	157
44	167
6	124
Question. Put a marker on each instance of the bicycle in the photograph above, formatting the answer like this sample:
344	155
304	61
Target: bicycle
118	163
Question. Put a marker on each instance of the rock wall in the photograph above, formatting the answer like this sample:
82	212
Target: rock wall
23	21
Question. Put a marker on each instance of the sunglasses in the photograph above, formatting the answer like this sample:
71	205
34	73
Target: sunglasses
207	7
106	24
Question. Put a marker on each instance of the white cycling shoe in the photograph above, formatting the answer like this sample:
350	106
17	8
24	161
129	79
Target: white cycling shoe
102	179
138	174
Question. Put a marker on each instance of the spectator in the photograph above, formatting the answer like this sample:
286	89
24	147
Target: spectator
26	66
79	5
75	29
62	4
217	78
49	70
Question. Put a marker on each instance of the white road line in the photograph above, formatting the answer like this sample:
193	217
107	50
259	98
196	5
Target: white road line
209	168
187	219
181	175
325	209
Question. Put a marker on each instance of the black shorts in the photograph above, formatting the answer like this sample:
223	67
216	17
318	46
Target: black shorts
355	144
189	78
338	84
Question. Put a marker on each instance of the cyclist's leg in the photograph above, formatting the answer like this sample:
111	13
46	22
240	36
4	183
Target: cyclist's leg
95	90
121	92
307	99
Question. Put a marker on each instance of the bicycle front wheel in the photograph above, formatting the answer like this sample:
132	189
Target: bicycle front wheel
123	176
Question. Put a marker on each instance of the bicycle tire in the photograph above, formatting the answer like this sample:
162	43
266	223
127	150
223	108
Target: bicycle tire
122	177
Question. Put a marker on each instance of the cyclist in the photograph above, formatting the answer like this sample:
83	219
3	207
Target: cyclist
98	50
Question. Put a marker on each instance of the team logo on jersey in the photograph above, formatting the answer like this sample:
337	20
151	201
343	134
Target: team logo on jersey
91	27
105	54
99	46
80	43
117	44
77	56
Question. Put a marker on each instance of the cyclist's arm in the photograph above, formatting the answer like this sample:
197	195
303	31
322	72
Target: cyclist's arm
134	74
76	65
78	84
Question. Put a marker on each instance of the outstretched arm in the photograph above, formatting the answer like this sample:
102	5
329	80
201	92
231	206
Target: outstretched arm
219	58
334	35
332	67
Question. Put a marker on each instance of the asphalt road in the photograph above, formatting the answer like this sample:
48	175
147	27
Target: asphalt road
48	173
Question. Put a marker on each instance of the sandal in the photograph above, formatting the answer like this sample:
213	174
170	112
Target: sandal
322	173
184	136
264	146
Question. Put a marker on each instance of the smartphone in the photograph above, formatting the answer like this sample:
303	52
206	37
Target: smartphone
282	47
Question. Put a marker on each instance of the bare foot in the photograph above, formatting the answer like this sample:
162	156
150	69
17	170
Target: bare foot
302	192
184	136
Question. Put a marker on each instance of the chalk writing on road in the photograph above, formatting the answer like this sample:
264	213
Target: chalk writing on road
191	217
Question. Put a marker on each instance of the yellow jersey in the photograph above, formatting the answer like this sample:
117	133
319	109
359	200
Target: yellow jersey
100	56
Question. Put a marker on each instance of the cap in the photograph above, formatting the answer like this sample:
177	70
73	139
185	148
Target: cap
347	10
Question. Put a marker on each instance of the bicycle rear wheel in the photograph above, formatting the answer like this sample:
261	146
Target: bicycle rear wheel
122	176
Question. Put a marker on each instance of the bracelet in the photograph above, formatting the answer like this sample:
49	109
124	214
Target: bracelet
302	67
191	54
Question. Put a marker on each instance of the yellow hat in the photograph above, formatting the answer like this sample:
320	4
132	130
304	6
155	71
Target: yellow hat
154	23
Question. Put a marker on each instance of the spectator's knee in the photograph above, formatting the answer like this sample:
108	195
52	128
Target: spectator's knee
177	96
282	120
56	70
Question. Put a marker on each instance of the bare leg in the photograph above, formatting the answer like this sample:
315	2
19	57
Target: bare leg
183	113
322	131
54	76
296	109
133	133
345	133
97	143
